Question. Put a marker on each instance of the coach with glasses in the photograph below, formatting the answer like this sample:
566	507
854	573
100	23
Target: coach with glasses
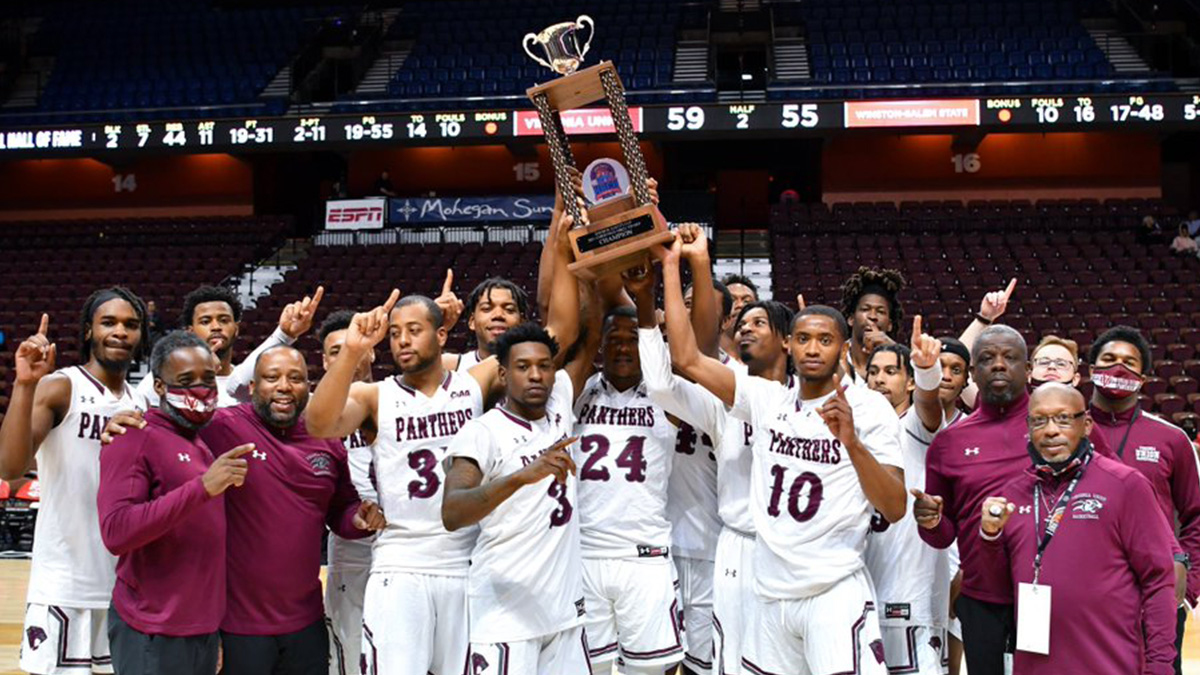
1086	550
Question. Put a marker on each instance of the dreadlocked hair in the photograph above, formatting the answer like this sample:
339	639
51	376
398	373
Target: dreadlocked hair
89	312
885	282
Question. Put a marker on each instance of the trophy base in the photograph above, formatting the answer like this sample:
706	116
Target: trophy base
617	242
577	89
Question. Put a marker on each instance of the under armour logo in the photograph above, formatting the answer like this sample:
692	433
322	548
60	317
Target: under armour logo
970	451
258	455
184	457
87	399
1025	509
730	573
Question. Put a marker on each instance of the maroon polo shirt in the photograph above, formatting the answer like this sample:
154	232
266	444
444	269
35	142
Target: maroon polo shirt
295	486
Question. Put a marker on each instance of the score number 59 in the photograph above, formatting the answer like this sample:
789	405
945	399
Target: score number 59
692	117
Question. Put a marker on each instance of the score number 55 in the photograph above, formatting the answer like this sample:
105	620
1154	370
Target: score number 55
800	115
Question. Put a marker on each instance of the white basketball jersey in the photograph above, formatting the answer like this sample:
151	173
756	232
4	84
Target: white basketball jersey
912	579
692	487
809	508
526	578
626	445
468	360
71	567
734	469
355	553
409	454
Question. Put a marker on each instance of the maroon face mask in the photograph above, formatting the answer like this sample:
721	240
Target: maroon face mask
196	404
1117	381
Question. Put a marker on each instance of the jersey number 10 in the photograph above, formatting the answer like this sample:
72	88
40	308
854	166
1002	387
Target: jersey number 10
807	478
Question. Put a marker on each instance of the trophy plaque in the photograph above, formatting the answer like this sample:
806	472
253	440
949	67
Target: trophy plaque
619	230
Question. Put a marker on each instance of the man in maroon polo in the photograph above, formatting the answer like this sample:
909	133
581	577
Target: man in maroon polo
161	513
1160	451
1081	533
295	486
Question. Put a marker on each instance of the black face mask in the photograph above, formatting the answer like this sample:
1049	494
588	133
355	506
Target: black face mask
1056	469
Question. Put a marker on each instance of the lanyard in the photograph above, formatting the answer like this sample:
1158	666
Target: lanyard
1056	515
1128	428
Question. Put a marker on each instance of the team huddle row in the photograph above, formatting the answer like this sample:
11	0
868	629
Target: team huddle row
721	484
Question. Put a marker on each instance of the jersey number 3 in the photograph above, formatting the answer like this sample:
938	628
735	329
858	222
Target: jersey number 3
562	515
424	462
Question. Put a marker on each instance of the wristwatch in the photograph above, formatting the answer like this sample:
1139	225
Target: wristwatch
1185	560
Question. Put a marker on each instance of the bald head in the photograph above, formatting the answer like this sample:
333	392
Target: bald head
1058	393
1058	421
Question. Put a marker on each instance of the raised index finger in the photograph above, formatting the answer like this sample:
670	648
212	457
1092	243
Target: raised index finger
316	298
391	301
45	326
449	283
916	331
1012	284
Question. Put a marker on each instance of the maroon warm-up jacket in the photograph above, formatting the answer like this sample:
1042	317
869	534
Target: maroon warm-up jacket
168	534
1110	568
1161	452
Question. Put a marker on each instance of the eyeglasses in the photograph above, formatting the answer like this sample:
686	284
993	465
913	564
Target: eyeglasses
1057	364
1060	421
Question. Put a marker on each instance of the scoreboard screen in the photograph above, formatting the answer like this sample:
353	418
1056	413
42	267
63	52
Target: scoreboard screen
1023	113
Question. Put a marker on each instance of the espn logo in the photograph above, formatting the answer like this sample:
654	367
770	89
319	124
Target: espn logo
355	214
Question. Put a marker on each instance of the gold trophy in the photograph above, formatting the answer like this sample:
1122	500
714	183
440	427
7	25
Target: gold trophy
621	229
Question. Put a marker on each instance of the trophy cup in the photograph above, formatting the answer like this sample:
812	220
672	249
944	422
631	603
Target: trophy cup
620	230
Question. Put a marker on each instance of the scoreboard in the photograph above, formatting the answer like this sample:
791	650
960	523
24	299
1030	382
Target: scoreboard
344	131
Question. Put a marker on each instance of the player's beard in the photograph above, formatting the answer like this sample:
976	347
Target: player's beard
225	355
422	365
111	365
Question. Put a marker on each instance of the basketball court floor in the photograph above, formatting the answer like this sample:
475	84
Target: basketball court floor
14	575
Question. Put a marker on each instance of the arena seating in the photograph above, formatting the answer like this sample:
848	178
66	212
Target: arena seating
185	55
865	42
177	53
53	267
358	277
1080	265
472	48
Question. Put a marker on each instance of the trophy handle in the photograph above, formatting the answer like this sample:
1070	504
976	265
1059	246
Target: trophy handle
585	19
532	37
